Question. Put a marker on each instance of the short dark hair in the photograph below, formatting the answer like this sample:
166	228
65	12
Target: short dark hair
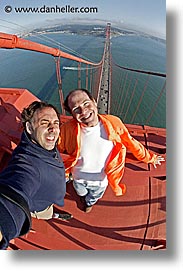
27	113
66	105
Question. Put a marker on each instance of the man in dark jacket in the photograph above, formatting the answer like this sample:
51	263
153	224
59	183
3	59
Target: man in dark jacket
35	177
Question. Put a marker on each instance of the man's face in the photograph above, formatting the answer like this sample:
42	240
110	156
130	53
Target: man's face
83	109
44	128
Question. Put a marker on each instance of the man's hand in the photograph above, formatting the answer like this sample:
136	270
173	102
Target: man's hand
158	161
1	236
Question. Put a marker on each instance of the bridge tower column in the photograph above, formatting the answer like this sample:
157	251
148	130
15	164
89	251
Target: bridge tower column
104	95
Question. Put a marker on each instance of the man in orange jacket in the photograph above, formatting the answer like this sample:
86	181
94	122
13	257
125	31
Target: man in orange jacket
95	146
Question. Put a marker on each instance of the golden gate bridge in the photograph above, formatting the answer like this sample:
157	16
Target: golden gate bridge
99	78
138	220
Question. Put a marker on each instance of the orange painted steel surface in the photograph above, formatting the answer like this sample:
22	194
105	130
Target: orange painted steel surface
12	102
9	41
135	221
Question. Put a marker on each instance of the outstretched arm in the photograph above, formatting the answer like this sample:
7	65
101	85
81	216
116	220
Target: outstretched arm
15	219
139	150
158	161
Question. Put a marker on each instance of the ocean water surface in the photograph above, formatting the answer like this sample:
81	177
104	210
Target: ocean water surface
36	71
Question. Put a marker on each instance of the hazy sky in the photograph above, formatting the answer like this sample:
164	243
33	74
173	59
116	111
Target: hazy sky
145	15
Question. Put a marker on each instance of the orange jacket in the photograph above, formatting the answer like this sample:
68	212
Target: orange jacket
69	147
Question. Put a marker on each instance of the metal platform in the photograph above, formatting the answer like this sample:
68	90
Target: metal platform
135	221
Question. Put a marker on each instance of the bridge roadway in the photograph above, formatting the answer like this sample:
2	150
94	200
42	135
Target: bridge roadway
103	101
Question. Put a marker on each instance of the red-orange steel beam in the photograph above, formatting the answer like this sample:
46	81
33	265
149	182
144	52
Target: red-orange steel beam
10	41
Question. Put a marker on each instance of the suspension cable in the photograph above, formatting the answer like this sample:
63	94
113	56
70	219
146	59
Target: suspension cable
57	60
140	100
155	104
132	96
140	71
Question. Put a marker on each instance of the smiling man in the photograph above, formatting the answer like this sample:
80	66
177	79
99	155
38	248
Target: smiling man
96	147
43	127
34	180
83	108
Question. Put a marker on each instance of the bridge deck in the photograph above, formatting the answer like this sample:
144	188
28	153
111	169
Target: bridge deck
134	221
131	222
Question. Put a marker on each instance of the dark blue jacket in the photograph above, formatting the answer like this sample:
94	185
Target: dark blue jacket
38	176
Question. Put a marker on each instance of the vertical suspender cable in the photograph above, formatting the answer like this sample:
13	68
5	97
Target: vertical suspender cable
59	84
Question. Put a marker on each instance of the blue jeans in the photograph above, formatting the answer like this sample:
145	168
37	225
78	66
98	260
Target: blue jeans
91	192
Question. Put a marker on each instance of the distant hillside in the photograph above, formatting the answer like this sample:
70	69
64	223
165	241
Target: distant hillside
96	30
89	29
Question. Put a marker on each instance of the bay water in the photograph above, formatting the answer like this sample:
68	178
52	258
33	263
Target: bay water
36	71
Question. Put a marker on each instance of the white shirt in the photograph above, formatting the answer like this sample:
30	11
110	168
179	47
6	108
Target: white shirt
95	150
